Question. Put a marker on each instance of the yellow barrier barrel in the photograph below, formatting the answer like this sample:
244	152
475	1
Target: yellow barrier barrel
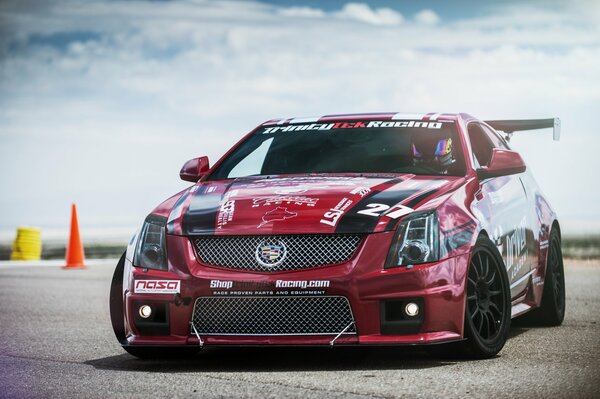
27	245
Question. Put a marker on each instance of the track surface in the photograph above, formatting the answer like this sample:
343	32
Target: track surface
56	341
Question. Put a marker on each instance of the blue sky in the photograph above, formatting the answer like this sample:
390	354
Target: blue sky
102	101
448	10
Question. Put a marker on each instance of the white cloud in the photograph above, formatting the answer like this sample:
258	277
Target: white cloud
427	17
302	12
139	87
379	16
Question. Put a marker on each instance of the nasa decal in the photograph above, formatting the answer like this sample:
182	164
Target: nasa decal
156	286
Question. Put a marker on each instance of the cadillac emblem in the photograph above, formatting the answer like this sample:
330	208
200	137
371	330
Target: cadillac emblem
270	253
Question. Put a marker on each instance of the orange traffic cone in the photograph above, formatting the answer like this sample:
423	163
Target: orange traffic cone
75	257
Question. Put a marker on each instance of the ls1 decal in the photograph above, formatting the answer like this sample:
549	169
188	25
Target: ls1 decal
332	215
156	286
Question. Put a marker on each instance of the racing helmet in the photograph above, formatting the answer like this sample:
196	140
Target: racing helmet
436	151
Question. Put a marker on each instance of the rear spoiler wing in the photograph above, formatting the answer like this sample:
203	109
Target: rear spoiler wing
510	126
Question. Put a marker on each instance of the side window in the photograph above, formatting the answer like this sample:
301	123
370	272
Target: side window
497	141
481	144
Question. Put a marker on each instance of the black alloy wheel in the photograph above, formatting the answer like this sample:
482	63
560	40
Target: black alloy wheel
552	309
485	300
488	306
556	280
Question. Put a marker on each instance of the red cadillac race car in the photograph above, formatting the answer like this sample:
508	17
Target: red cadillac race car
366	229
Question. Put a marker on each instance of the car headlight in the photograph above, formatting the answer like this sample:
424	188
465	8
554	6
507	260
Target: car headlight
416	240
151	250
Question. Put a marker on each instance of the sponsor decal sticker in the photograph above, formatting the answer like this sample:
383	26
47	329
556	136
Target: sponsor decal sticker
516	251
332	216
376	210
284	199
496	238
362	191
302	284
269	288
156	286
319	127
291	190
221	284
225	213
308	182
277	214
428	125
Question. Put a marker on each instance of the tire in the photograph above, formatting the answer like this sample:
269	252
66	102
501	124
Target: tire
159	353
487	305
552	309
116	301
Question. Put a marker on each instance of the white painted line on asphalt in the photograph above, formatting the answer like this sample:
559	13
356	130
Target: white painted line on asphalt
22	264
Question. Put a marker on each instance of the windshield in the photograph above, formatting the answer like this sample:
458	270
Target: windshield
422	148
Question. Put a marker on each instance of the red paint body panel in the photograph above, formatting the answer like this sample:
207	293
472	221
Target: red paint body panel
362	280
511	210
297	204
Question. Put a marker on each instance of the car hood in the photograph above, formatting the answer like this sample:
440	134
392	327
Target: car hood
301	204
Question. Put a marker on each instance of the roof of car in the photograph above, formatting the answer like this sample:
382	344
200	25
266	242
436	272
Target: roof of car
432	116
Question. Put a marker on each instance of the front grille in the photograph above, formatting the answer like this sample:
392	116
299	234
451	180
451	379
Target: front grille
294	315
294	251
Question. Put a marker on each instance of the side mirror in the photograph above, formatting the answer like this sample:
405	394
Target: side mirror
194	169
503	162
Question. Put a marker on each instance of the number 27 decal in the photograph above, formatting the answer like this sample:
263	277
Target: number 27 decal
376	210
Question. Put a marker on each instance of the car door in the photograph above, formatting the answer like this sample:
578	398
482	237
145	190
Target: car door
502	207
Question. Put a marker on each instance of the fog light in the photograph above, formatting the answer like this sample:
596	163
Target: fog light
411	309
145	311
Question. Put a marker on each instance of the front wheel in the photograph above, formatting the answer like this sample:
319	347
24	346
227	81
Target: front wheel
116	301
488	306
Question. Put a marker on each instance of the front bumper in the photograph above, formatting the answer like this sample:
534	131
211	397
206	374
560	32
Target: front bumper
372	292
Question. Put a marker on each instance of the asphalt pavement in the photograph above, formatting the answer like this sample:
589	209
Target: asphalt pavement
56	341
